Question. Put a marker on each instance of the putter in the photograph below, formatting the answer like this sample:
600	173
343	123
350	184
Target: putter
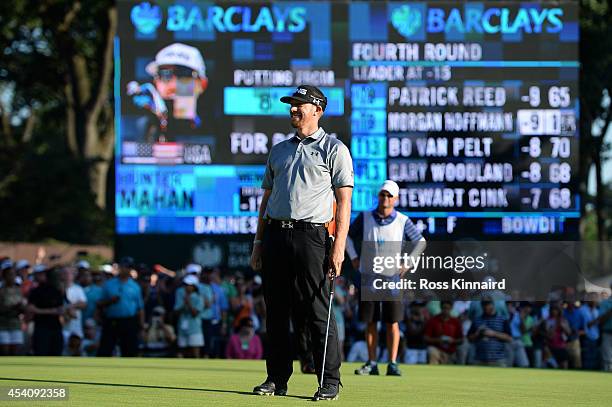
331	300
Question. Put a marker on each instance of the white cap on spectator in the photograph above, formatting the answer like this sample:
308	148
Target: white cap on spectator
193	268
159	310
18	280
257	279
83	264
6	264
391	187
39	268
22	264
190	279
107	268
90	323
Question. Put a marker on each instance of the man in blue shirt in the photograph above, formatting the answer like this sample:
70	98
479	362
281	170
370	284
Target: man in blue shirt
490	332
605	319
93	292
590	348
575	318
123	312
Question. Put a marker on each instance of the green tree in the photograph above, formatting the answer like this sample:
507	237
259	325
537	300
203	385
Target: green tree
56	118
595	90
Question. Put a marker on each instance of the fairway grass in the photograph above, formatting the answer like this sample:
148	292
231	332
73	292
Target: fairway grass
185	382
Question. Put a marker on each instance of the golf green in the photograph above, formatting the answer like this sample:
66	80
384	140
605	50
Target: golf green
203	382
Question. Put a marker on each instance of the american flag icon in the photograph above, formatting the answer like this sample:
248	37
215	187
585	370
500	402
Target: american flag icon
167	150
133	149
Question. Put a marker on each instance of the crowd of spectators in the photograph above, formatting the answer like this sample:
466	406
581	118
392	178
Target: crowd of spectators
126	309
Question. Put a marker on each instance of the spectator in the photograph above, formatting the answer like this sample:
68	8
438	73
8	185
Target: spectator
230	287
520	328
5	264
475	310
244	344
242	304
91	341
74	346
22	268
259	304
74	301
359	352
575	318
416	349
189	308
442	335
605	319
490	332
466	349
91	281
122	311
557	332
590	351
215	327
149	294
205	291
45	304
159	336
12	304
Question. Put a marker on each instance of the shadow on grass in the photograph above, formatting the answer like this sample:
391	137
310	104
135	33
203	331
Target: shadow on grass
145	386
80	364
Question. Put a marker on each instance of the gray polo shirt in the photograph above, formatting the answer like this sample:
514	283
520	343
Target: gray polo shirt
302	175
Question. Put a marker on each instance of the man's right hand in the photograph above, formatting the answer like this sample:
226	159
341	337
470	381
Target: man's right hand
256	257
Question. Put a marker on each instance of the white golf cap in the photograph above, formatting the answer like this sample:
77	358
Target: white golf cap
39	268
391	187
193	268
22	264
83	264
6	264
178	54
190	279
106	268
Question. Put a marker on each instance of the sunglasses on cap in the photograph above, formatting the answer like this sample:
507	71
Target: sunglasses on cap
166	74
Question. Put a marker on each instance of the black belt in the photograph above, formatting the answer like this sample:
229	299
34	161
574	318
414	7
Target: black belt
295	224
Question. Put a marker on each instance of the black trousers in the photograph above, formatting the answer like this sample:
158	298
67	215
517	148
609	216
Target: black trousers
47	341
295	265
122	330
212	338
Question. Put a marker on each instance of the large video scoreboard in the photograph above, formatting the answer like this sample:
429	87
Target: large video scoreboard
471	107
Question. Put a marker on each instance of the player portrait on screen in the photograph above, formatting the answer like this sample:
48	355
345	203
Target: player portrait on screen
179	78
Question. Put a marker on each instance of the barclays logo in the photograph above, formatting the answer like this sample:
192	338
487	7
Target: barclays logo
146	17
407	20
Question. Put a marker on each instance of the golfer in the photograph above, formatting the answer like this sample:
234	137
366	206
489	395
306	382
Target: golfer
292	245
